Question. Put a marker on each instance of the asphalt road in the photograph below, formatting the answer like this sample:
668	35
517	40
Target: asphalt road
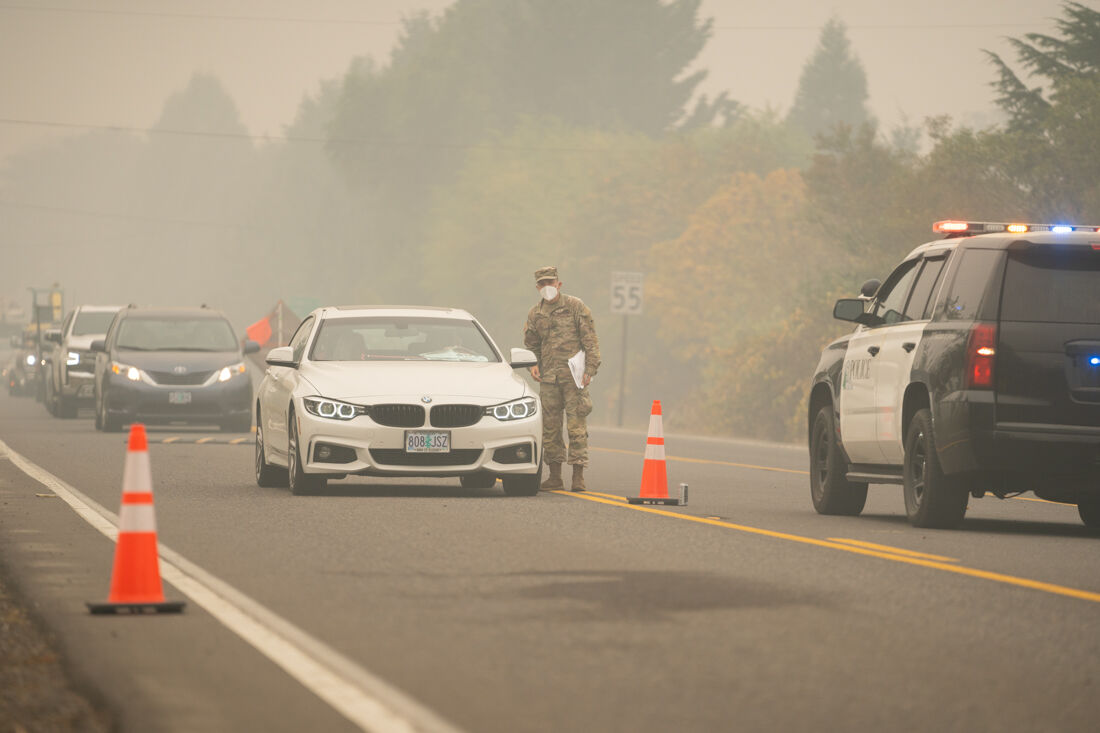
438	606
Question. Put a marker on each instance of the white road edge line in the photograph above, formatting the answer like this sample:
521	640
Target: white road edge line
363	698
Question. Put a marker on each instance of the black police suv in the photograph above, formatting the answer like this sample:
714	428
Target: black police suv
974	369
179	365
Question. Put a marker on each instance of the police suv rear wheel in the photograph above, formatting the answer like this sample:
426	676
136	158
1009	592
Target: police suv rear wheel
831	491
932	499
1088	506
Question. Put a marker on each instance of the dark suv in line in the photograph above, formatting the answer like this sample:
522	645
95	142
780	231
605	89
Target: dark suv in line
178	365
975	368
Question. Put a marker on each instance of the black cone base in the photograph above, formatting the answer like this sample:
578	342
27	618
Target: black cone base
663	501
136	608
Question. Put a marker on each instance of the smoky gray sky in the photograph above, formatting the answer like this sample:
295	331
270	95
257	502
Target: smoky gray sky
113	62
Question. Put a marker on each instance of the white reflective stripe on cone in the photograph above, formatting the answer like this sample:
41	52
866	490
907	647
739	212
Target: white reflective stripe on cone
655	452
136	474
655	429
137	518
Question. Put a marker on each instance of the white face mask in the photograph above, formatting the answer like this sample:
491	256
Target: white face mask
549	292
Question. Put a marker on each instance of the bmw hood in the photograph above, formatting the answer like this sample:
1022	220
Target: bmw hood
480	383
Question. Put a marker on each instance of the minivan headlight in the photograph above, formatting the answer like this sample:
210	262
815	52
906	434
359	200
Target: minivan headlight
514	410
132	373
229	372
332	409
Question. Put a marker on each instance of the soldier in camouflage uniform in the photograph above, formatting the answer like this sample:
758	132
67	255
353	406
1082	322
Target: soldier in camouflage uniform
557	328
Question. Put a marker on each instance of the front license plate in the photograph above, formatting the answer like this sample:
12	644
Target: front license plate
179	398
427	442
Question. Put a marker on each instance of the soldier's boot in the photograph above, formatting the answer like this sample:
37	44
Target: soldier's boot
553	481
578	479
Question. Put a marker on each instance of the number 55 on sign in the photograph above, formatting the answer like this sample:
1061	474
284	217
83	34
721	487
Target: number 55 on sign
626	293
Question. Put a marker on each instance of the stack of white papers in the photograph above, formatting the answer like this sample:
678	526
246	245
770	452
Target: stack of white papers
576	368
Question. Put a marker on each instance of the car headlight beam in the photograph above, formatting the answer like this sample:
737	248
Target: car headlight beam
228	372
514	410
332	409
132	373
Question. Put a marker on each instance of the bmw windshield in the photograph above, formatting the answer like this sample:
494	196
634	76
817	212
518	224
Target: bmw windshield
402	339
176	334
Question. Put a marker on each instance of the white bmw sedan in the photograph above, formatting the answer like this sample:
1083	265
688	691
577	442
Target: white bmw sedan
396	391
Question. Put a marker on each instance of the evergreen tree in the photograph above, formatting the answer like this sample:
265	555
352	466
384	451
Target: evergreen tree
1058	61
833	88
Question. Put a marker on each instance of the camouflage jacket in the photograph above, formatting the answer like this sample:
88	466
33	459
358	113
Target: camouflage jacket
557	331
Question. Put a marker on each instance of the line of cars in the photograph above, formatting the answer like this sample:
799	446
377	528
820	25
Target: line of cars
150	365
360	390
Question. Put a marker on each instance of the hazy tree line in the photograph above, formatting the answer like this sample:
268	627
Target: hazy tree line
498	138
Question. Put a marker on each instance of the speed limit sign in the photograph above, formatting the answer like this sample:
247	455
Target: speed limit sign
626	293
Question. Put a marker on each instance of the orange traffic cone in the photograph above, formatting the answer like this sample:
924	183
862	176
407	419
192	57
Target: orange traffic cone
135	579
654	478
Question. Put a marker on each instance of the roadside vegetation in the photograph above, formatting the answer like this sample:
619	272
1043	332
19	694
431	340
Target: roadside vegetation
496	139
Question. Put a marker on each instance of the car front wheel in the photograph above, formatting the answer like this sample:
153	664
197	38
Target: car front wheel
267	476
830	489
301	483
932	499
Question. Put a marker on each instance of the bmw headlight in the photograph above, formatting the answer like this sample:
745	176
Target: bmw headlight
515	410
132	373
332	409
228	372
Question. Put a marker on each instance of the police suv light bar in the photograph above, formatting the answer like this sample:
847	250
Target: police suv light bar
953	228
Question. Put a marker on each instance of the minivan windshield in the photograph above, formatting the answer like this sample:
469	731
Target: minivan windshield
175	334
1052	285
91	324
401	339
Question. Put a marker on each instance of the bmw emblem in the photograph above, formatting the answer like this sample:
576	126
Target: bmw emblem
426	399
181	369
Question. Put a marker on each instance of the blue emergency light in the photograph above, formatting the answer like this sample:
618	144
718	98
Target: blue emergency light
1094	360
1061	229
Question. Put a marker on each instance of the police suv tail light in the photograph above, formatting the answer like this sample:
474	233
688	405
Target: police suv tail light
981	354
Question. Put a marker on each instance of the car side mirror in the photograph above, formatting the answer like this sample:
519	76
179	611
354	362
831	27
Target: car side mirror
852	309
522	358
869	288
282	356
250	346
52	335
99	346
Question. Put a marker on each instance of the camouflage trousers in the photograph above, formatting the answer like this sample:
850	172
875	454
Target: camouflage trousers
564	397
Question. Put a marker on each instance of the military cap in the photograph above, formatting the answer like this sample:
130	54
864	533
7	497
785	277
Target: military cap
546	273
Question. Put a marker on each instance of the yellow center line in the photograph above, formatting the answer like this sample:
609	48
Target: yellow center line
169	440
238	441
894	550
1042	501
1039	585
608	496
705	461
200	441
